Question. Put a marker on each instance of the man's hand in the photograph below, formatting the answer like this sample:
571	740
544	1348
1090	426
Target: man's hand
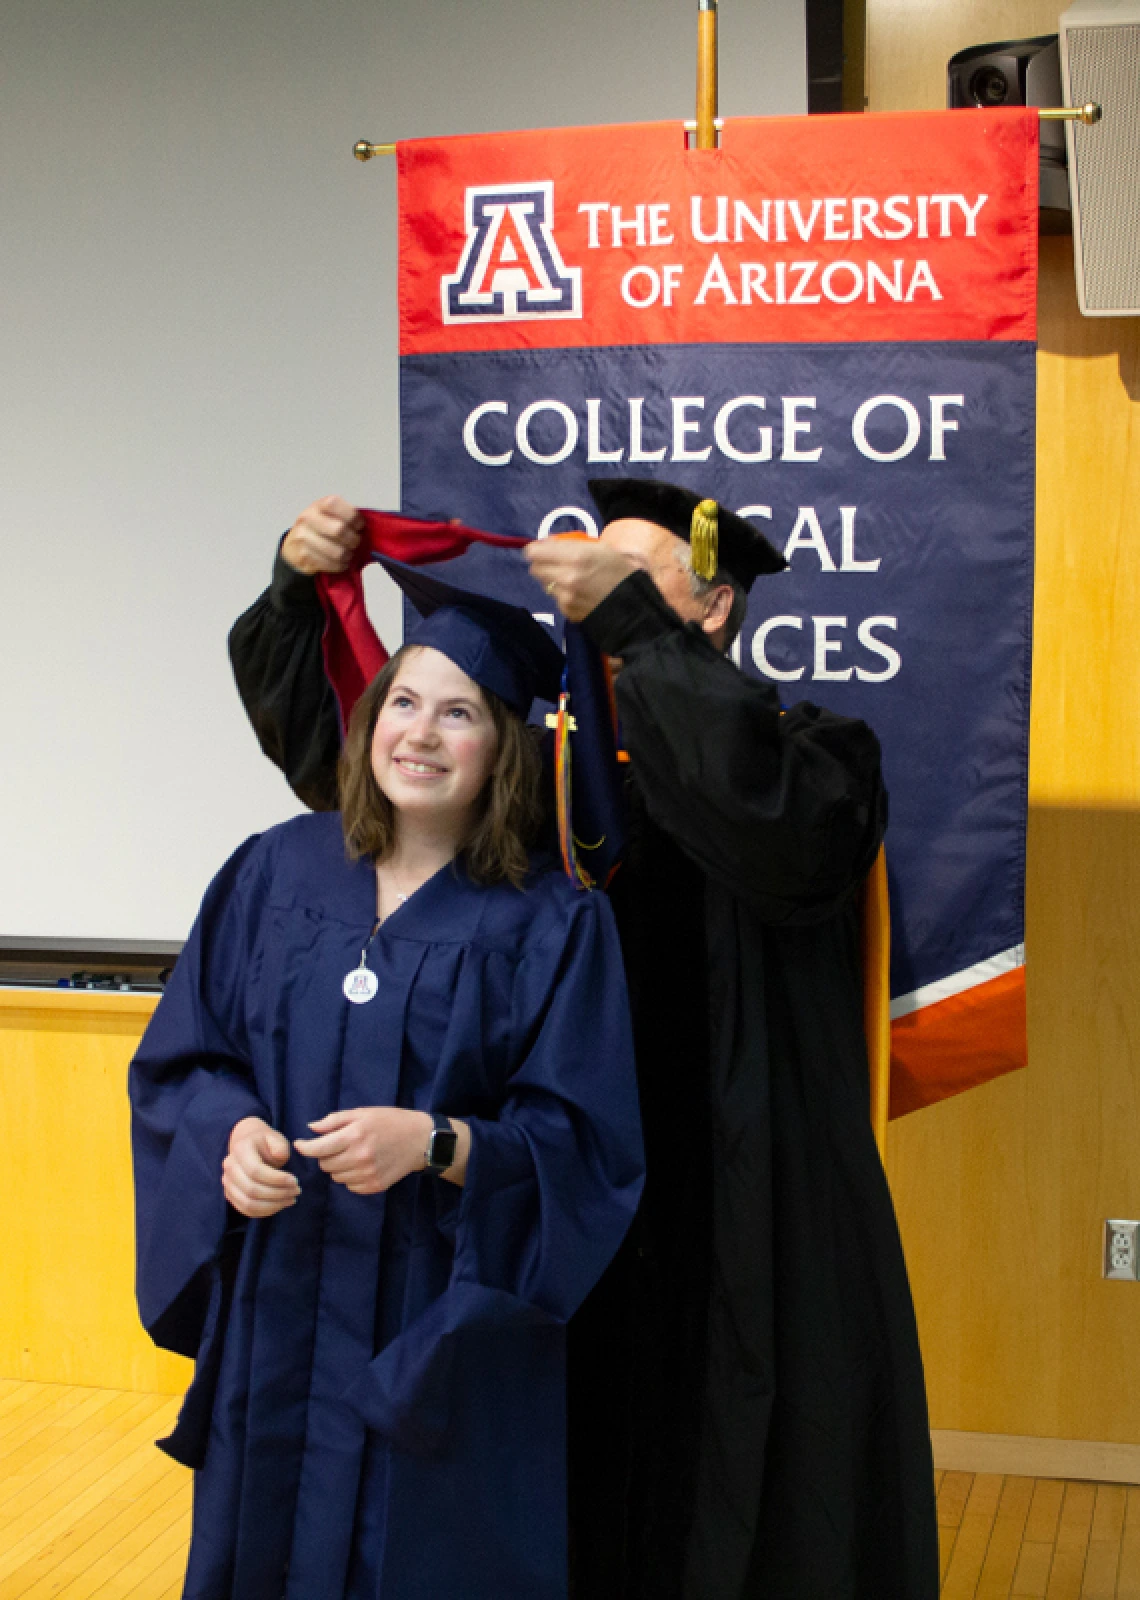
577	574
370	1148
324	537
251	1180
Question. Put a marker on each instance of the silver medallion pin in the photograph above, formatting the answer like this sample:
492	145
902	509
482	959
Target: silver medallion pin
361	985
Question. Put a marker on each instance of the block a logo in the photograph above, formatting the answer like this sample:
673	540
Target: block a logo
511	270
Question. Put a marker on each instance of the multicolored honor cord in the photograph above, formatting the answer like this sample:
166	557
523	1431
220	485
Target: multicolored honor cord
563	724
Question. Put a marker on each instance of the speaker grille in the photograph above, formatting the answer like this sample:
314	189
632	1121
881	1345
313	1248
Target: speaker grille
1104	65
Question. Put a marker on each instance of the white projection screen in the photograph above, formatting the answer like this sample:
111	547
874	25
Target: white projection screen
199	337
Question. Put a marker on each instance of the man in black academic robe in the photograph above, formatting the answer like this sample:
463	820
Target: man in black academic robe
747	1410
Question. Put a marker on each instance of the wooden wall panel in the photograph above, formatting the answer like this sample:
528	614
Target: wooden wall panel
67	1312
1002	1193
909	43
1085	747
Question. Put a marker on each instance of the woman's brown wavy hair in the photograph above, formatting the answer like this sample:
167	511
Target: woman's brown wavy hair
511	809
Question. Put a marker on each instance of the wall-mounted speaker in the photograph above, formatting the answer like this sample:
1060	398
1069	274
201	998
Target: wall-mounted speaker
1100	61
1019	72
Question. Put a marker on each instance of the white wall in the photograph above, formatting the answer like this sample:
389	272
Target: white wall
198	338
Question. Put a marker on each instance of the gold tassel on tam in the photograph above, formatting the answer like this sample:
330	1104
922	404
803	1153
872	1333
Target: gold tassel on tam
703	540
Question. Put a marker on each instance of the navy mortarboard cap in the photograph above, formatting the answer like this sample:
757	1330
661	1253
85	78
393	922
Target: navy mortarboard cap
721	541
498	645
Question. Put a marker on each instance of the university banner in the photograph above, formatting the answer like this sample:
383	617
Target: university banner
828	325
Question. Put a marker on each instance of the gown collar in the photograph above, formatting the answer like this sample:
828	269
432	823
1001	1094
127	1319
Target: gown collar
446	909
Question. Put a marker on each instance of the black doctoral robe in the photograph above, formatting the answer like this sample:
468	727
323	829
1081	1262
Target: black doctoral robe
747	1409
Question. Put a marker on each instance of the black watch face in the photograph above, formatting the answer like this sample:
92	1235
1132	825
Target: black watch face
443	1146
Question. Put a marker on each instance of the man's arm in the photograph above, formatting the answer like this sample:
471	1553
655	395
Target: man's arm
275	651
785	809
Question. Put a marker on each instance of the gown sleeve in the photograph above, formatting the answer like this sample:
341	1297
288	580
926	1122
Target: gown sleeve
784	809
552	1183
190	1082
278	664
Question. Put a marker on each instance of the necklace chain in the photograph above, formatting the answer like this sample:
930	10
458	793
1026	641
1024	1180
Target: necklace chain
368	944
392	886
360	985
401	897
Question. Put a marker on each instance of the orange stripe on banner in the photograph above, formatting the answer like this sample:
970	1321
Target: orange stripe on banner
958	1043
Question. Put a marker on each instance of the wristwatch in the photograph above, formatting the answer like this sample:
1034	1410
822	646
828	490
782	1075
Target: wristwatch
441	1146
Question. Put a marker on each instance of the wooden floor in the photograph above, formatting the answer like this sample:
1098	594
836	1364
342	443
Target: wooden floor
90	1510
1037	1539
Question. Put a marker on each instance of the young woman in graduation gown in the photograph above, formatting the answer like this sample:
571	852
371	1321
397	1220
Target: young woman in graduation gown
386	1137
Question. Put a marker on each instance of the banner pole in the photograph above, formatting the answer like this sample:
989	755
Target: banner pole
706	74
708	122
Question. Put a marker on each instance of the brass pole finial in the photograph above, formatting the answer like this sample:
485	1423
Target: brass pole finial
1088	114
364	151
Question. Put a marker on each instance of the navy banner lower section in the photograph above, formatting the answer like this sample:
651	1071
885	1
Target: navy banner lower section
897	478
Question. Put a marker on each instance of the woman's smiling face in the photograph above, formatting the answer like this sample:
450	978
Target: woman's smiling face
434	744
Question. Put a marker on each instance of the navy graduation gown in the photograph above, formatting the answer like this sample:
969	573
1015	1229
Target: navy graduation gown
378	1406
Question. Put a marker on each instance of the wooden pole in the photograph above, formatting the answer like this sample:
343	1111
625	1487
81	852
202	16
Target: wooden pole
706	74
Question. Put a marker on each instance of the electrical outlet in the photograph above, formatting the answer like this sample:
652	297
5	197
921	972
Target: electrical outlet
1122	1249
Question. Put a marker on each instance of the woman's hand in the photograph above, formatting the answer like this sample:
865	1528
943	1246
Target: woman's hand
372	1147
251	1180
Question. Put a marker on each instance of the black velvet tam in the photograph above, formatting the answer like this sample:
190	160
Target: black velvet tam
744	552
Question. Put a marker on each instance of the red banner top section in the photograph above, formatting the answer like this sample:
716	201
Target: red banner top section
908	226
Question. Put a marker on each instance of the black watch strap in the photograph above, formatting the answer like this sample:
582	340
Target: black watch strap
441	1146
